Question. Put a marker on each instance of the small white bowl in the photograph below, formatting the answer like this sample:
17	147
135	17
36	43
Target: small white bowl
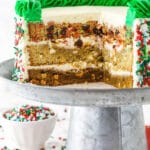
28	135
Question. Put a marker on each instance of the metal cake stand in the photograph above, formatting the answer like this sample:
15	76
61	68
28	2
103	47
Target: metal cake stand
102	117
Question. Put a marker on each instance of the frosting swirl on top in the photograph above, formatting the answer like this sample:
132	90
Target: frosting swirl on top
59	3
30	10
137	9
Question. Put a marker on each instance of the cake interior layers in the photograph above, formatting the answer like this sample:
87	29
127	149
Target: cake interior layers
79	46
98	53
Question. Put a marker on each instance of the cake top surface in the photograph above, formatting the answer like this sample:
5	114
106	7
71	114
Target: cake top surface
31	10
82	14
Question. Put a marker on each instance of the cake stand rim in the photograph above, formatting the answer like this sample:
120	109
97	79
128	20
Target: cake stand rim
65	87
81	90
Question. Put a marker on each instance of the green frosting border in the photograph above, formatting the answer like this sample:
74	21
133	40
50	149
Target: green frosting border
31	9
62	3
137	9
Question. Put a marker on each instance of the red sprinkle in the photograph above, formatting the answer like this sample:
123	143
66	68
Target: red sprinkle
53	147
139	52
148	42
139	60
148	81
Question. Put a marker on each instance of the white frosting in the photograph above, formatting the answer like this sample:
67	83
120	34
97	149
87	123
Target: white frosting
67	66
68	43
70	14
115	16
35	43
89	40
121	73
108	46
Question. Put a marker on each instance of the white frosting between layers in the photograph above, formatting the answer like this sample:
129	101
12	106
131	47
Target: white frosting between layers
26	42
115	16
121	73
78	66
67	66
68	43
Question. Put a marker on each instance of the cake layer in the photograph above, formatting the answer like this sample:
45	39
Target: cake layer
54	77
119	81
122	60
53	30
43	54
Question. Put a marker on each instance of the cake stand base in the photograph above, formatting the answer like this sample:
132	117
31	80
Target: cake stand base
119	128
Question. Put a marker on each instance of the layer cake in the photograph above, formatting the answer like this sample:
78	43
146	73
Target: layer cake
78	44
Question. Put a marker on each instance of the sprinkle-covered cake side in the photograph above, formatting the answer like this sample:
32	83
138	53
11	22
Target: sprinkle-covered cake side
141	67
20	71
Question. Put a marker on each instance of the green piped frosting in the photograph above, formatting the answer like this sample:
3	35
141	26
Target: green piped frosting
137	9
61	3
30	10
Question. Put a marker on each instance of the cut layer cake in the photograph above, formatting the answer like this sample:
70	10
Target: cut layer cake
67	43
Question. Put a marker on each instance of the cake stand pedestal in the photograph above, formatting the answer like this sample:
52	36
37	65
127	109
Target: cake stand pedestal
94	128
102	118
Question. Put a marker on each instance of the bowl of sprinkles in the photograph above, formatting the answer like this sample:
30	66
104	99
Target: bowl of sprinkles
27	126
